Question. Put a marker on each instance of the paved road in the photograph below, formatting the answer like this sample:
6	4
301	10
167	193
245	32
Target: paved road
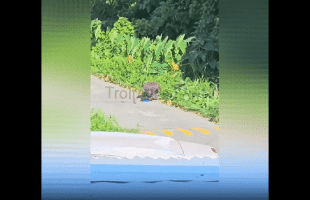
154	117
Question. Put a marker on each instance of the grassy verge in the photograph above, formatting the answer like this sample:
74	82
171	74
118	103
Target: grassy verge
101	122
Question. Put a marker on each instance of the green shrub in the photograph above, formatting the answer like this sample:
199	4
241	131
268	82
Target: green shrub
157	55
100	122
95	31
119	69
142	27
199	95
124	27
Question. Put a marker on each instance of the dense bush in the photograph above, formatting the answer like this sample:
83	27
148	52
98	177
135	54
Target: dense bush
119	69
172	18
157	55
123	26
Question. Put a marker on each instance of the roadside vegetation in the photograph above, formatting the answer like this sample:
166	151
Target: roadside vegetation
132	43
131	63
101	122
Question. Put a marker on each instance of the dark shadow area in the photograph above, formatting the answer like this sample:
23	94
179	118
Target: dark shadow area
151	181
109	182
180	180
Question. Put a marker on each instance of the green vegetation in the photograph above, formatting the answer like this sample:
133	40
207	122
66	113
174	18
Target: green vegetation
172	18
123	26
100	122
132	62
130	47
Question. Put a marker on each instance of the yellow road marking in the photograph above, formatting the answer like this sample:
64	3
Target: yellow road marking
148	132
185	131
217	128
202	130
169	133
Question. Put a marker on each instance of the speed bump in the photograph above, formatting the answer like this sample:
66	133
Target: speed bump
185	131
169	133
202	130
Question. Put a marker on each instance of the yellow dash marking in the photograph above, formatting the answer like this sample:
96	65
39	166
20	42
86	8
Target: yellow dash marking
217	128
202	130
169	133
148	132
185	131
